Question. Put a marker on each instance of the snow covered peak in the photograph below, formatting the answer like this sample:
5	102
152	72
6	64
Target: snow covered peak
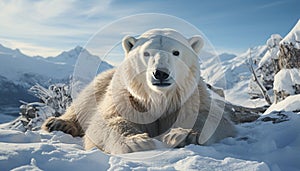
8	51
5	49
73	53
78	48
22	71
14	64
293	36
70	57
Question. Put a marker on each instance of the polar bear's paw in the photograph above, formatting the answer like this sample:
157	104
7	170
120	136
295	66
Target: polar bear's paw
179	137
138	142
56	124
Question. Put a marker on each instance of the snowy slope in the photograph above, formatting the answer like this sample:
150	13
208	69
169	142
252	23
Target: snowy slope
271	143
15	65
232	73
234	69
291	103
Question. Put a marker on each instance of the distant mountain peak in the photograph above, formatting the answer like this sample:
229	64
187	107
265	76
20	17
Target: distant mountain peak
78	48
7	50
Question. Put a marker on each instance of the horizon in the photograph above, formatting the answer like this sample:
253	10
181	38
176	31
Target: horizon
47	28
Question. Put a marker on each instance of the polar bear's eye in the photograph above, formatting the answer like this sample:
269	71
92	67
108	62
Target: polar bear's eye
175	52
146	54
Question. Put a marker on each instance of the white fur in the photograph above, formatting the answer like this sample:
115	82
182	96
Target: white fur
122	111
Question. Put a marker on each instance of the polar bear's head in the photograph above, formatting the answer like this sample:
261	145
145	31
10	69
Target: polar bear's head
161	60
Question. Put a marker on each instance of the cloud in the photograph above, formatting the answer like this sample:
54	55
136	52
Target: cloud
51	23
50	26
271	4
30	49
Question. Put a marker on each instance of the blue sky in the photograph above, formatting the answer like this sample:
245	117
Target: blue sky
48	27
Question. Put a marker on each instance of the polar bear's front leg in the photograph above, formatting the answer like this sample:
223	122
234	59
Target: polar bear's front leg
180	137
117	136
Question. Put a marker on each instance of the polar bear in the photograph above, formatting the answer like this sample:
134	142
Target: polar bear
155	93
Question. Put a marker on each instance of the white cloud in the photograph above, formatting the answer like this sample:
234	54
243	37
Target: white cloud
271	4
50	24
30	49
52	8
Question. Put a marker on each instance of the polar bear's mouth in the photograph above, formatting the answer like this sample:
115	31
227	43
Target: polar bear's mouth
161	84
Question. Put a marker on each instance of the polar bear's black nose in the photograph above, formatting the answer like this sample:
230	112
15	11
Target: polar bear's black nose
161	74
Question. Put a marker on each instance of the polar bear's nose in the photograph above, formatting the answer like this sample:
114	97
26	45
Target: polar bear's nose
161	74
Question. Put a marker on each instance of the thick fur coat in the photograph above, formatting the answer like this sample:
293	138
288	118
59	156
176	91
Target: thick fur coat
155	93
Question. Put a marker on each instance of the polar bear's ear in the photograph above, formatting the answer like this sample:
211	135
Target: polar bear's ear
128	43
196	43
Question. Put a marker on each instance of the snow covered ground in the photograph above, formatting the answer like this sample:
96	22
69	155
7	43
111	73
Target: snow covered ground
270	143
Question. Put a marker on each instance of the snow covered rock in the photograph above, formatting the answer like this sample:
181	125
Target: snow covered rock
283	53
286	82
291	103
267	67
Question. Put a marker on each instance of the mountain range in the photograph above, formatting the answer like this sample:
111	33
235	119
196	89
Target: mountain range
18	72
232	73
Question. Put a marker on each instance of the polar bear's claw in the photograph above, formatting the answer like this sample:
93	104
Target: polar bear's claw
56	124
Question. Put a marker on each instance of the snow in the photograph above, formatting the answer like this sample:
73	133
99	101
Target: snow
285	79
291	103
273	45
5	50
232	71
274	40
233	75
14	64
260	145
20	72
242	98
37	150
293	36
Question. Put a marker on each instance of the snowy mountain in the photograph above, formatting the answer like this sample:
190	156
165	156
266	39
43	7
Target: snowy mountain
293	36
231	72
18	72
234	68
